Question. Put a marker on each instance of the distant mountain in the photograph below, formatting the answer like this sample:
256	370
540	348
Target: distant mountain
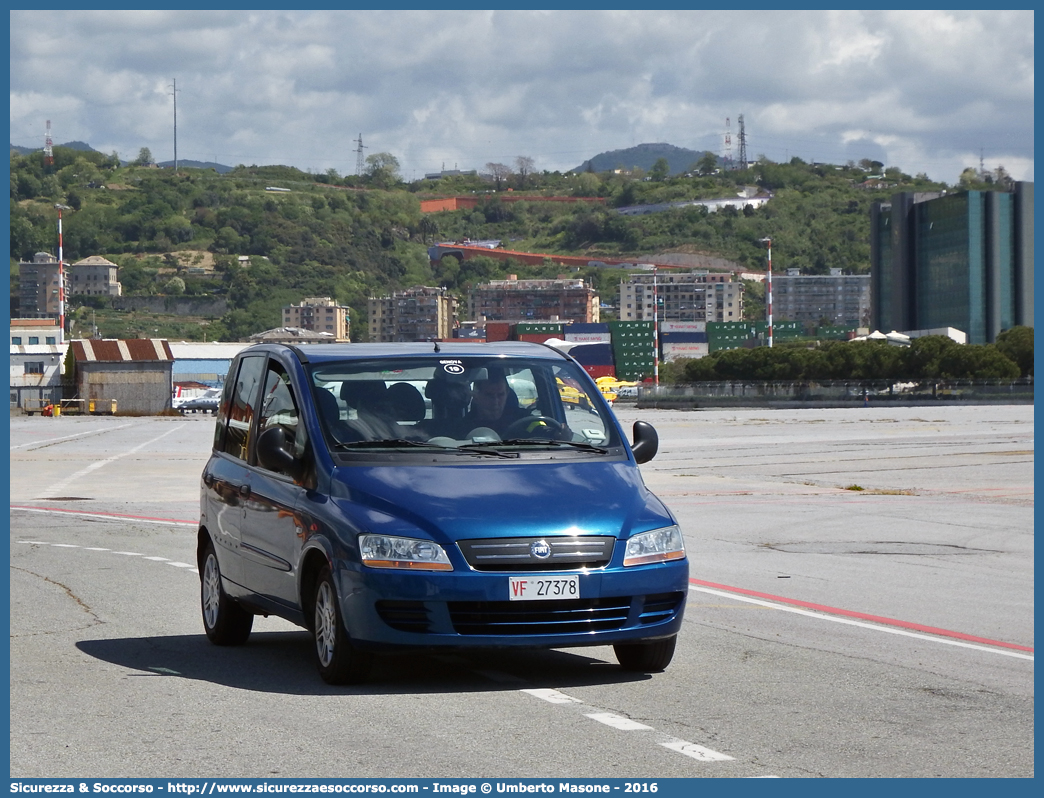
81	145
217	167
643	156
72	145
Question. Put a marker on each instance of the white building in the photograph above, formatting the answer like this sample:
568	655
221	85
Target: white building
681	296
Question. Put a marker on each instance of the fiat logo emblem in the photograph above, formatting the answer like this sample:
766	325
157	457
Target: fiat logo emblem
541	549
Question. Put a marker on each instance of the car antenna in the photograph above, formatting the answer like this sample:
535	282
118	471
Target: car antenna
437	347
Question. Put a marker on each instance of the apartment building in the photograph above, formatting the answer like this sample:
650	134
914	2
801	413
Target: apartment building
38	287
93	276
833	300
420	313
687	296
319	314
561	300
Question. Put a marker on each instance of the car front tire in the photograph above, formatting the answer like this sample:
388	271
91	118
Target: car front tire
225	622
651	656
338	660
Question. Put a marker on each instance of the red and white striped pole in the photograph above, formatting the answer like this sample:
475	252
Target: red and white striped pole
61	279
768	289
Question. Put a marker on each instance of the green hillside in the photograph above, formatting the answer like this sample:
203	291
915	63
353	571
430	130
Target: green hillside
353	237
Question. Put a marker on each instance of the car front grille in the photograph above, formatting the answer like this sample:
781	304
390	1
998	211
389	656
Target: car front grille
516	554
569	616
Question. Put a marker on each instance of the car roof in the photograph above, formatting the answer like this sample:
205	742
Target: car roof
325	353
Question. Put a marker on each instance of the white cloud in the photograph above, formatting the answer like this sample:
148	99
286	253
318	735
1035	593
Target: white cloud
469	87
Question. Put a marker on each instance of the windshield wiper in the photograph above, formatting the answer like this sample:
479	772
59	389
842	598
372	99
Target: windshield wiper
398	443
386	443
581	445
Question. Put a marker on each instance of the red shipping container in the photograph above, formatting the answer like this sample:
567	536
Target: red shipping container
536	338
600	371
498	330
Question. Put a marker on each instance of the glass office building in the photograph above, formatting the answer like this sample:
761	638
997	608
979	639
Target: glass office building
962	260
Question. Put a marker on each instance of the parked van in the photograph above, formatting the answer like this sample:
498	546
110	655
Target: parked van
397	496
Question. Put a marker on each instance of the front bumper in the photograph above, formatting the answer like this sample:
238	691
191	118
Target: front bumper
391	609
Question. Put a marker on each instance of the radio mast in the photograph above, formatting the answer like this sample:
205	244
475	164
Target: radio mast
742	144
48	152
359	156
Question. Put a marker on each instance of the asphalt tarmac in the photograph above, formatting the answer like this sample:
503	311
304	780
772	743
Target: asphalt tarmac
861	605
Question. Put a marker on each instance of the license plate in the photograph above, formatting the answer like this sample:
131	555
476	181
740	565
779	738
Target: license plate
542	588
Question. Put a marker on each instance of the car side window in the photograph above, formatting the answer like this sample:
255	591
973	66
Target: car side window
241	407
279	408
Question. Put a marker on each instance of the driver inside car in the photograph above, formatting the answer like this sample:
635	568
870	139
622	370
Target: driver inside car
495	406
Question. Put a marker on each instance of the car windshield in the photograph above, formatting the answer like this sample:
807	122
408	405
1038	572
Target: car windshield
475	405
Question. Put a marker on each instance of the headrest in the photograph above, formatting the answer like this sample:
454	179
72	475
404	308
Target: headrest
405	402
368	394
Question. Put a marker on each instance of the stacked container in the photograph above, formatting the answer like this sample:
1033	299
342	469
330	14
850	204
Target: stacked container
634	348
683	339
537	332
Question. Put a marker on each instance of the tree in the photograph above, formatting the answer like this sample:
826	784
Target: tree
1016	344
175	286
383	169
500	174
707	164
523	166
144	157
660	170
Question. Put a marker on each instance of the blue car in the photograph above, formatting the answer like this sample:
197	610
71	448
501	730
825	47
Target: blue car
431	496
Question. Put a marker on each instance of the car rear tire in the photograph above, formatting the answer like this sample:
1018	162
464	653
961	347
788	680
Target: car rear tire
226	623
651	656
339	662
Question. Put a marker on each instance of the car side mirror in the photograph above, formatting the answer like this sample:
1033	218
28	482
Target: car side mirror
273	452
646	442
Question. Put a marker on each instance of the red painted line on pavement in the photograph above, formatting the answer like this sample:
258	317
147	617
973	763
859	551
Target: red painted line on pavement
98	513
864	616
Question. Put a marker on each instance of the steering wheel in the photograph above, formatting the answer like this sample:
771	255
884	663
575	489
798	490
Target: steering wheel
534	427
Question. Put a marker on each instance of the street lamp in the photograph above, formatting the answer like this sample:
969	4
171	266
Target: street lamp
768	288
656	334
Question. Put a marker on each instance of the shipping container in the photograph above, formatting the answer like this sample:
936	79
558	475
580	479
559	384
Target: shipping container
600	371
585	327
534	338
595	354
683	326
470	333
683	337
498	330
677	351
552	328
587	337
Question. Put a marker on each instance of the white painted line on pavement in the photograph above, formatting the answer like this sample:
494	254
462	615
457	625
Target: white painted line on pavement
619	722
696	751
861	624
58	487
553	696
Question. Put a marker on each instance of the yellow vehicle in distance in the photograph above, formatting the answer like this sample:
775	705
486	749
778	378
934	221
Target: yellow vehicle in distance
610	387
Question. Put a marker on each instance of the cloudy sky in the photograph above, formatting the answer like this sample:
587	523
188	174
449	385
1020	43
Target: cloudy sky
927	91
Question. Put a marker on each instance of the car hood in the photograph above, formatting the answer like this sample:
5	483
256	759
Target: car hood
499	500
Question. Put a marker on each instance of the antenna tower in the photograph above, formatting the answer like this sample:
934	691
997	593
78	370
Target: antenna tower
174	91
728	146
48	152
742	143
359	156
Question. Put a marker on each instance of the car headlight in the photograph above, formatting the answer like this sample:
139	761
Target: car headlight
386	551
660	545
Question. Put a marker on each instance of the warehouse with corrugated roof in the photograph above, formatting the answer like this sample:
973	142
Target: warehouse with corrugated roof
135	372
